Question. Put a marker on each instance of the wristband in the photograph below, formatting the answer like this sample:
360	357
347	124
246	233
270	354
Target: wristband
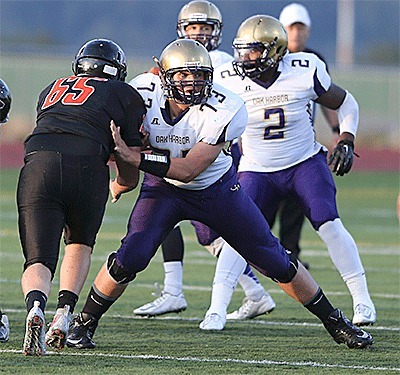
157	165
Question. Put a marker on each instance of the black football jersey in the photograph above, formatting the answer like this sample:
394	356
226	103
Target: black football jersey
84	106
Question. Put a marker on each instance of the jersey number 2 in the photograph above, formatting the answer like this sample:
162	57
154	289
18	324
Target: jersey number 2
270	131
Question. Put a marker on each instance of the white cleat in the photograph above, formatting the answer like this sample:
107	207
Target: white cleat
165	304
34	341
364	315
212	322
4	329
56	336
250	309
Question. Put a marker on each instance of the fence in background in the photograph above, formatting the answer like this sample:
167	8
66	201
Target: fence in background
376	90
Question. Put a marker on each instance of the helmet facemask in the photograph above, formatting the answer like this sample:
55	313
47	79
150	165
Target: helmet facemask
211	42
193	91
255	68
179	60
263	34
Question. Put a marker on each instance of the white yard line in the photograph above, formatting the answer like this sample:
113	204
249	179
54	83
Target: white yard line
214	360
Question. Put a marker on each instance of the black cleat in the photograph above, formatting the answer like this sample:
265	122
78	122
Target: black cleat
81	332
344	332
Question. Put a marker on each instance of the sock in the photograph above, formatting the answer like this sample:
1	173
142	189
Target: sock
359	291
342	249
230	266
320	306
220	297
65	297
344	254
173	283
250	284
35	295
97	303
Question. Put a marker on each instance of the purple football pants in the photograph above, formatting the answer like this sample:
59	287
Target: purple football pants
310	182
223	206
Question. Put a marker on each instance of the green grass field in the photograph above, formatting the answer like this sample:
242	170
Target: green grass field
288	340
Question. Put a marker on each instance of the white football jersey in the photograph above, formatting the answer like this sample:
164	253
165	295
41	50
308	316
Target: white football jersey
279	133
222	119
219	58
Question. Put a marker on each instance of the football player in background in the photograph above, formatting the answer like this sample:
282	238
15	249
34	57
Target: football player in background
190	122
297	23
281	155
64	184
202	21
5	105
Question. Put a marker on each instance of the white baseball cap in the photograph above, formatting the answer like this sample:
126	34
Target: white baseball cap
294	13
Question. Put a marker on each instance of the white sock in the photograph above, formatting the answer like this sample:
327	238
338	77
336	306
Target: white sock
173	280
344	254
230	266
359	290
251	287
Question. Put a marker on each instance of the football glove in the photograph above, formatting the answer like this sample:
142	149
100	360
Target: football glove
341	158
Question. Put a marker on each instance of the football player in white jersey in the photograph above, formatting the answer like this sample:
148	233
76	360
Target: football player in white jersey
202	21
280	154
190	176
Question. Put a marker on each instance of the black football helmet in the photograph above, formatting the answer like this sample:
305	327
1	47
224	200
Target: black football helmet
5	101
101	58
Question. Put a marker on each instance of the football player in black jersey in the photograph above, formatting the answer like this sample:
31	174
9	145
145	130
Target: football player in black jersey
63	186
5	104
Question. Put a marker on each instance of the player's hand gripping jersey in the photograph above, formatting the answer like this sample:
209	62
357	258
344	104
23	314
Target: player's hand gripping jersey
221	119
279	133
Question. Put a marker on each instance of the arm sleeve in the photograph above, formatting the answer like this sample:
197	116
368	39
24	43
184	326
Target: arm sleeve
348	114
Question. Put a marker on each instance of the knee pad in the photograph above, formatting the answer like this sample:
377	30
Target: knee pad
294	266
117	273
215	247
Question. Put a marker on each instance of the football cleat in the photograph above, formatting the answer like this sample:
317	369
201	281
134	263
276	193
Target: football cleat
81	332
212	322
344	332
56	336
363	315
165	304
4	328
34	341
250	309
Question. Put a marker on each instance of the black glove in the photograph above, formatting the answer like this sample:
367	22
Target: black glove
342	157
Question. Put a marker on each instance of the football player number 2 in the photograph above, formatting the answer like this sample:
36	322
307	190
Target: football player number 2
275	115
70	91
